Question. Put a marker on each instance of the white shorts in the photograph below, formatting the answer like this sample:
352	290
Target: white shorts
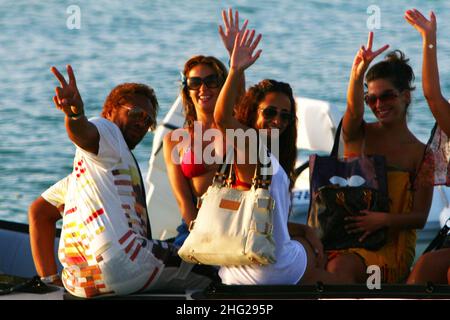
56	194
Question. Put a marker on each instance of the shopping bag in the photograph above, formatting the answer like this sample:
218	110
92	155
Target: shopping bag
340	188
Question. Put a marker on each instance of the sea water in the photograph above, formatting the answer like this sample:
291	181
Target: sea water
309	44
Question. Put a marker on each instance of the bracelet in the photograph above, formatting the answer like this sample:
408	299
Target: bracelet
76	116
50	279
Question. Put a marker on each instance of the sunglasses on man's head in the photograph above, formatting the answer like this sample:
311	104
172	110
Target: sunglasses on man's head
385	97
194	83
139	114
271	112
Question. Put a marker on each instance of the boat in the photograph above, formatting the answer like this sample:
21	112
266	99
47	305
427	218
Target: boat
16	261
17	265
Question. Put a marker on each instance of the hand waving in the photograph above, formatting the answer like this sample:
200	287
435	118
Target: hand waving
365	56
244	46
418	21
231	29
67	97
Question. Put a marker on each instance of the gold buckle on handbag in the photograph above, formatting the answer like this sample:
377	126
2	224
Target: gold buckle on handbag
269	228
266	229
192	258
272	204
367	198
199	202
219	177
266	203
260	183
340	200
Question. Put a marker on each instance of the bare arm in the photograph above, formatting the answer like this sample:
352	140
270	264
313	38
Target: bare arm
180	186
42	217
223	113
296	229
241	59
419	214
83	133
353	117
302	231
439	106
228	36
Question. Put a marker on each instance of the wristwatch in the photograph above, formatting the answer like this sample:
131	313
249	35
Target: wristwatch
50	279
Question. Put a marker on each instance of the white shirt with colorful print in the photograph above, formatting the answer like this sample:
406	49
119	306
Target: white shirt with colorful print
103	245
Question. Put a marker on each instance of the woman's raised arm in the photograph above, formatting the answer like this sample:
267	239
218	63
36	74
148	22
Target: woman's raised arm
430	72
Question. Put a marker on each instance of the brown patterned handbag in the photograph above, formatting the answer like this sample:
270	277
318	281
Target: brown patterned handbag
343	187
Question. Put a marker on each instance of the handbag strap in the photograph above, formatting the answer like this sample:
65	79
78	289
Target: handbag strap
224	170
337	136
334	151
261	178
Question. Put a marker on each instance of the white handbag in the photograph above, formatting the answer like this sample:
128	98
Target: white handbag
233	227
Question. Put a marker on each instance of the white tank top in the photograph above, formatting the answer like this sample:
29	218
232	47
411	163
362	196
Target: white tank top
290	255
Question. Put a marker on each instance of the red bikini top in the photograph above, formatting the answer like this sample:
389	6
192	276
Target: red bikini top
189	168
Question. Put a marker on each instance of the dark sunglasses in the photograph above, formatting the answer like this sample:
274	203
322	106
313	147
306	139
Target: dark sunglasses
194	83
139	114
271	112
385	97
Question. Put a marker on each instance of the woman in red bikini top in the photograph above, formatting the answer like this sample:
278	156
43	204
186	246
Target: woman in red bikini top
189	174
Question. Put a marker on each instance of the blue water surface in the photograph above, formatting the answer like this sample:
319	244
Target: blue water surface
310	44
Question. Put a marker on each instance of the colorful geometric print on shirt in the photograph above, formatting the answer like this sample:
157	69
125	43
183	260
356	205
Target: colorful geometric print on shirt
103	245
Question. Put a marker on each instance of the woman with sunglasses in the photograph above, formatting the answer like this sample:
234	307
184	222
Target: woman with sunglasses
389	87
189	174
433	266
269	105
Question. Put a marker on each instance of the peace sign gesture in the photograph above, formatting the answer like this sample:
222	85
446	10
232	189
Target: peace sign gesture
418	21
365	56
67	97
231	29
244	46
